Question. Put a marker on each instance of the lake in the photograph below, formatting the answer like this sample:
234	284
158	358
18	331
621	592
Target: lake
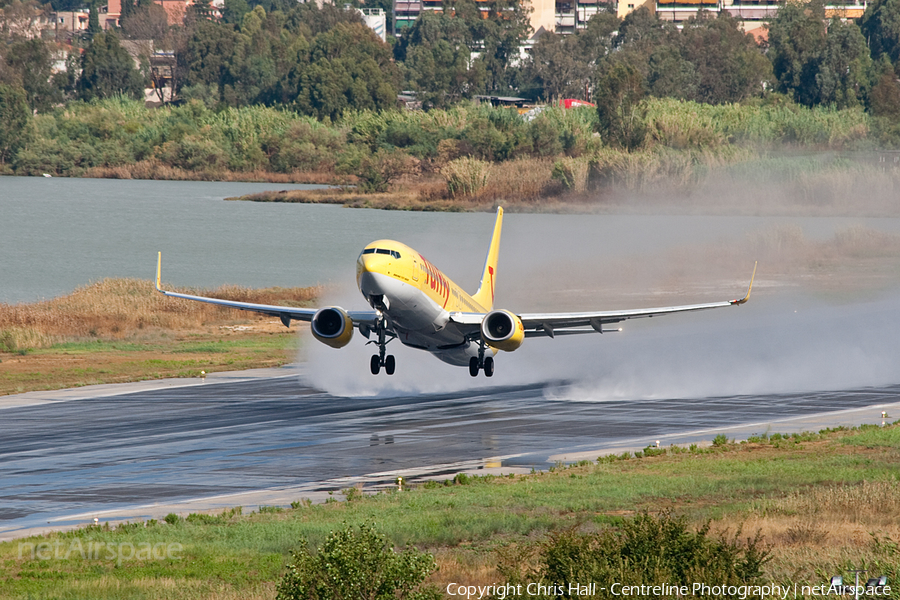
59	233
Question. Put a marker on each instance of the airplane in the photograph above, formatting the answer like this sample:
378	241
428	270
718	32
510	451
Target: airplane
412	301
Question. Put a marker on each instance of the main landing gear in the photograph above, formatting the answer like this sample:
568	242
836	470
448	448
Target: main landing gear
380	360
481	362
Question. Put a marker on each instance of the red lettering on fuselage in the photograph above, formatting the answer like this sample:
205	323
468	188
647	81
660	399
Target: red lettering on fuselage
436	280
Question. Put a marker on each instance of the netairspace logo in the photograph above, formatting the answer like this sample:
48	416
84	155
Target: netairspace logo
91	550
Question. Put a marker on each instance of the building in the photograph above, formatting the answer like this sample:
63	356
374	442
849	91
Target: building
568	16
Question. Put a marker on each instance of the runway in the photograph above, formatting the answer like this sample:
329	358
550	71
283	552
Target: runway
271	440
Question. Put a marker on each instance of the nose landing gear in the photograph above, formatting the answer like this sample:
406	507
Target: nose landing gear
380	360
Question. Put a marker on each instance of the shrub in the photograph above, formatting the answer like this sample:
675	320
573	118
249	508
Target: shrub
465	176
572	173
377	171
650	549
357	563
720	440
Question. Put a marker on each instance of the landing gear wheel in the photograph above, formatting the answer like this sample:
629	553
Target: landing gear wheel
488	366
375	364
389	364
473	367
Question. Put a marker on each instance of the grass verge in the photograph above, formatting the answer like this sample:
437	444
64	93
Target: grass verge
818	501
119	330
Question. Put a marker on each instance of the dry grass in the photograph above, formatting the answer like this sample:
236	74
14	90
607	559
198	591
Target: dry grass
466	176
116	308
828	527
167	587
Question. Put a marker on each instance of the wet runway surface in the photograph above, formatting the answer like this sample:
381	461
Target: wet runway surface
162	445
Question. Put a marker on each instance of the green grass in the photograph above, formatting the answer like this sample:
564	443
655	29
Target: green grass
246	553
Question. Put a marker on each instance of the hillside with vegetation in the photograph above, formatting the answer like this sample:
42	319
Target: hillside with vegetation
280	91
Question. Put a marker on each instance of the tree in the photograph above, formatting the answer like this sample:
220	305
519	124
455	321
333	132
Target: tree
146	23
727	63
880	25
249	75
596	39
641	29
884	98
496	33
107	70
558	68
93	20
796	41
202	58
670	75
620	108
844	67
437	58
32	62
234	11
14	118
353	564
19	18
350	68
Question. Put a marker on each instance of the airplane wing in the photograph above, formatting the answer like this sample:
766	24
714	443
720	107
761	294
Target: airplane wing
285	313
553	324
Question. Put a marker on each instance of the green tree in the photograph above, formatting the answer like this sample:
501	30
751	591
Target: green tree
597	38
249	76
357	563
620	108
14	119
436	60
796	42
350	68
884	98
880	25
844	67
496	31
641	29
670	75
727	63
107	70
93	20
558	67
234	11
32	62
203	57
146	23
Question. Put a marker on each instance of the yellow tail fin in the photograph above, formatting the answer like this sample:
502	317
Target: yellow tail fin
485	294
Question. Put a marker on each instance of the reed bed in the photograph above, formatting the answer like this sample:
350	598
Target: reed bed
116	308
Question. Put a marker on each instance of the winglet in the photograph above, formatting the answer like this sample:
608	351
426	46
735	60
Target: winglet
747	297
158	271
485	294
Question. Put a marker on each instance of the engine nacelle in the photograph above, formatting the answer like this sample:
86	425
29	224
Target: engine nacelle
332	326
503	330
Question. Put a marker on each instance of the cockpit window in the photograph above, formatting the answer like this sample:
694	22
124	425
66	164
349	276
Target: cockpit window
393	253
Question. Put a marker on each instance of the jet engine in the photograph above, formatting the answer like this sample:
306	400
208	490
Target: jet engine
503	330
332	326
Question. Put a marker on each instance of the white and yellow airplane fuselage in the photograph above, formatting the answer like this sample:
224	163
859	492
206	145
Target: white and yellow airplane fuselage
417	299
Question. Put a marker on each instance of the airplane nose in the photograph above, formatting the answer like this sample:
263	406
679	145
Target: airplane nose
366	269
